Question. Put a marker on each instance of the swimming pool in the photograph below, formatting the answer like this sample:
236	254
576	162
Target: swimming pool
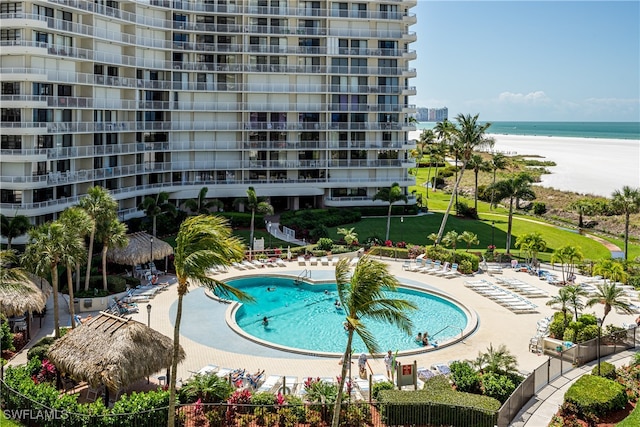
304	317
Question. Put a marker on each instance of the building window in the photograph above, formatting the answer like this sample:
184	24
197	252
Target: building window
10	88
43	89
44	141
10	115
10	7
42	115
11	142
43	11
64	90
12	34
41	37
10	196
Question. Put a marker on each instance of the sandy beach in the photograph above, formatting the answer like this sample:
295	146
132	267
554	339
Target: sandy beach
583	165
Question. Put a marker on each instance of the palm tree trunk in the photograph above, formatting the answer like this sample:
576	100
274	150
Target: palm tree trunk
56	314
429	175
72	312
78	275
9	239
346	362
89	256
626	235
388	222
253	217
154	226
174	363
446	213
510	223
475	199
104	267
493	190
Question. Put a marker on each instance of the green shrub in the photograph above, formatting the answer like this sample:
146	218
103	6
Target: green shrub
210	388
465	377
324	244
588	319
595	396
587	333
569	335
539	208
7	337
263	398
464	210
607	370
556	328
497	386
39	352
378	387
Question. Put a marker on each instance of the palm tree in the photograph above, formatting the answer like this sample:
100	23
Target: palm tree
349	234
532	243
467	138
562	299
13	227
477	164
112	234
517	187
451	239
611	296
362	295
100	206
437	154
77	224
202	241
254	204
154	206
469	238
498	161
582	207
201	205
575	293
567	256
434	238
626	201
610	269
497	361
426	139
45	251
390	195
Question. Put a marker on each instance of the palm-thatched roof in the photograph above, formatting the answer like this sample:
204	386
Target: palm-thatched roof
139	250
18	297
113	351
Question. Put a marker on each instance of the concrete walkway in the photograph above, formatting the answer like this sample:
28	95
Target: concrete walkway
539	410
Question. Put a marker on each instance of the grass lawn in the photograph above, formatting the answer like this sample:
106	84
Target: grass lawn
632	420
4	422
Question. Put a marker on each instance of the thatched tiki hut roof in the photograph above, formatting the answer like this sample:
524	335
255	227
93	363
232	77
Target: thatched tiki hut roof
113	351
140	250
16	298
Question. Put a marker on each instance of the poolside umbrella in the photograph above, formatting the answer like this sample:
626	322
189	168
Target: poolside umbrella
18	297
113	351
140	250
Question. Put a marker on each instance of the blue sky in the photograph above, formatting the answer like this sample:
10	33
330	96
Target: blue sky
529	60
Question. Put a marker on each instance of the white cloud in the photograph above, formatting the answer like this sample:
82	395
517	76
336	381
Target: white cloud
537	97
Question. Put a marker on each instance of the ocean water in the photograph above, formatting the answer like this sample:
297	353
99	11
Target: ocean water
607	130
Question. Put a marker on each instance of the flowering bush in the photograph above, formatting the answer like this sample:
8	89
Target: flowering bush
491	248
388	243
47	373
401	245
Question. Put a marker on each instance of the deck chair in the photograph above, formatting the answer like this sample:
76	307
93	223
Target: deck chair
302	261
270	383
280	262
324	260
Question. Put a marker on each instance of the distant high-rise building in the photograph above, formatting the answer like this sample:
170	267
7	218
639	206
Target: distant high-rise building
432	114
306	101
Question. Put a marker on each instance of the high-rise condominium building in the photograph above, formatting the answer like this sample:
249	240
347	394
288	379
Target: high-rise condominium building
306	101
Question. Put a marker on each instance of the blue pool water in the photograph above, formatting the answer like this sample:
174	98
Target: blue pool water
304	317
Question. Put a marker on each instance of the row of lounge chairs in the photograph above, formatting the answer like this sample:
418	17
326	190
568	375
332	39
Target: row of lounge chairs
258	263
302	261
435	268
508	299
522	288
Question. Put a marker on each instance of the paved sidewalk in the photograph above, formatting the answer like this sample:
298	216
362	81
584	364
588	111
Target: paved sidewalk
539	410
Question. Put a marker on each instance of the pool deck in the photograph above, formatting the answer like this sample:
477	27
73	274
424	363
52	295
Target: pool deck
496	325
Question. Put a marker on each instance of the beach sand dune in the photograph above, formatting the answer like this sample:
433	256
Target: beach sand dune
583	165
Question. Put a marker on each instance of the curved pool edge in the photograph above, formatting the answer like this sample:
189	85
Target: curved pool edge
234	306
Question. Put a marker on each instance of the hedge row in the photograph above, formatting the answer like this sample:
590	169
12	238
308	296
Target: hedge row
437	404
596	396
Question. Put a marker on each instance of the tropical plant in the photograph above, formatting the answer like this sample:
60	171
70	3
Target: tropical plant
254	204
532	244
477	164
611	296
574	298
202	205
498	162
362	295
426	138
112	234
101	207
451	239
562	300
610	270
349	234
202	241
469	238
437	152
626	201
158	205
10	228
434	238
582	207
77	224
497	360
469	136
568	256
209	388
390	195
44	252
514	188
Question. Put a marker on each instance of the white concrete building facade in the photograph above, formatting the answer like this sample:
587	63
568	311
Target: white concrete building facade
306	101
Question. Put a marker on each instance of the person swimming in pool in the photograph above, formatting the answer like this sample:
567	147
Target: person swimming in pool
265	321
271	289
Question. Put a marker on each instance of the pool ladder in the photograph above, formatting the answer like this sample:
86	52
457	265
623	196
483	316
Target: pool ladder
447	327
306	273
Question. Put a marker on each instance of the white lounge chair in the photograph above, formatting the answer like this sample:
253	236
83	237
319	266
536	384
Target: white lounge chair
288	385
443	270
313	261
206	370
302	261
436	266
280	262
270	383
324	260
354	261
248	265
453	272
224	372
238	266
